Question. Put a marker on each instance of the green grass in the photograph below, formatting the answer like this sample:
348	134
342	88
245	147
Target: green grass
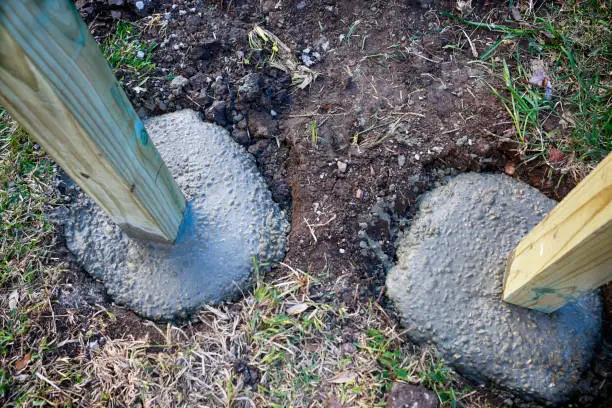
27	270
573	46
314	134
351	31
26	176
392	360
123	47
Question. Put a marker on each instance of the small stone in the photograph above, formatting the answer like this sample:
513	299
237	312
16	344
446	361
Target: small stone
348	348
510	168
358	194
139	5
268	6
115	14
140	55
461	141
508	402
250	88
216	113
341	166
401	160
307	60
405	395
262	125
93	345
179	82
300	5
241	136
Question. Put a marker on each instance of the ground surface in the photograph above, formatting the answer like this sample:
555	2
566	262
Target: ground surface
400	101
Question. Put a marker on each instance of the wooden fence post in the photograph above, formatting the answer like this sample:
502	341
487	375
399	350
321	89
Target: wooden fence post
55	82
570	252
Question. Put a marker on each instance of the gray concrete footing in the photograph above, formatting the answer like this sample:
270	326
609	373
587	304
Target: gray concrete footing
447	287
231	222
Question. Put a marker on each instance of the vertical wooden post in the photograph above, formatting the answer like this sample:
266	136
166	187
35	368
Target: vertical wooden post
55	81
570	252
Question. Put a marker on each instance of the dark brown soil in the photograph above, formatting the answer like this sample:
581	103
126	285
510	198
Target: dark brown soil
399	105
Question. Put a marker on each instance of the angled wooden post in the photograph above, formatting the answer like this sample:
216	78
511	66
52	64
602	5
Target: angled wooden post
55	81
569	253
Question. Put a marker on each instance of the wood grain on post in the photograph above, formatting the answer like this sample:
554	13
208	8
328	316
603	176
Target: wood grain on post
56	83
569	253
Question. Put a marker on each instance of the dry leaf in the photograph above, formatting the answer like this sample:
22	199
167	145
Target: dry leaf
516	14
297	309
332	402
555	155
20	365
567	120
343	377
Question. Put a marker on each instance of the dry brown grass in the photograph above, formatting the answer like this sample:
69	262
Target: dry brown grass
277	347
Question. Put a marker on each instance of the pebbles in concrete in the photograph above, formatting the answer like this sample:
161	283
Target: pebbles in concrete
231	221
447	287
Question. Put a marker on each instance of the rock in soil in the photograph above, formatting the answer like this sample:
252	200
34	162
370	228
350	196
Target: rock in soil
231	220
216	113
404	395
179	82
448	287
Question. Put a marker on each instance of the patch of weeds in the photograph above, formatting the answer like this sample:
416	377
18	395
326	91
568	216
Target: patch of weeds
557	88
392	360
438	377
524	106
6	381
27	270
26	177
125	49
396	362
393	52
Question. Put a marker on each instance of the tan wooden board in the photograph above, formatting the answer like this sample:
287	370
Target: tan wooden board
56	83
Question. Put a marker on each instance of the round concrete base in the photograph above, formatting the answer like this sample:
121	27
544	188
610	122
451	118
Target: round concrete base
231	222
448	287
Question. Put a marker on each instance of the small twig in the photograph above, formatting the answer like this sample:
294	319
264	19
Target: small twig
45	379
474	52
333	217
189	97
451	131
311	230
308	115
